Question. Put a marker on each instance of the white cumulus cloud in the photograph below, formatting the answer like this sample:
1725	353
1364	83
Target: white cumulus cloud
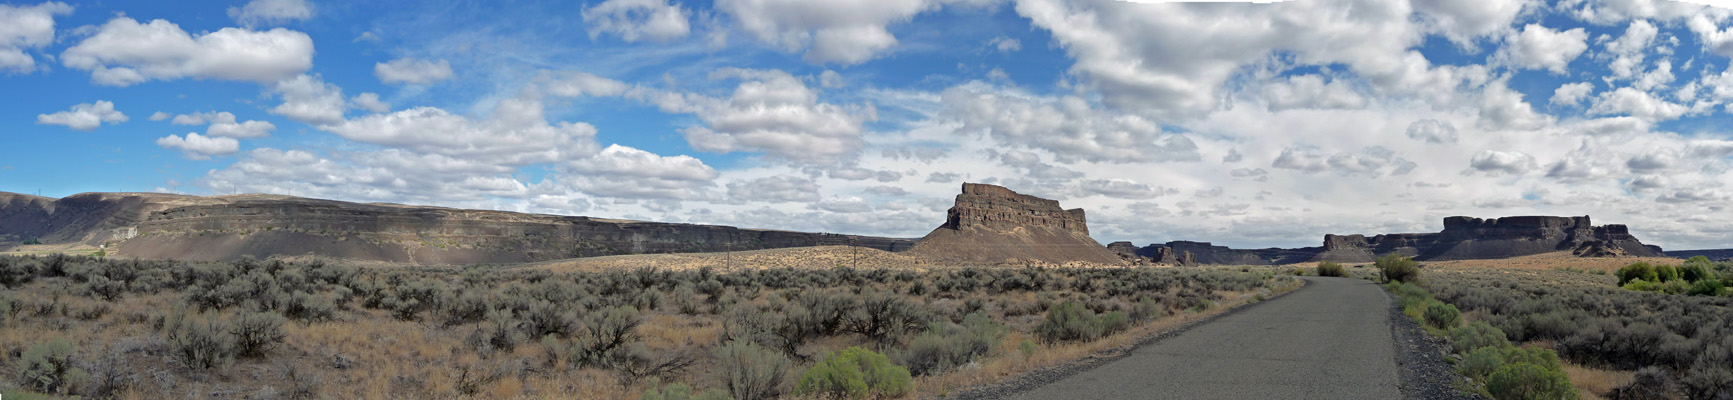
26	27
1571	94
197	147
85	116
308	99
632	20
840	31
124	52
1539	47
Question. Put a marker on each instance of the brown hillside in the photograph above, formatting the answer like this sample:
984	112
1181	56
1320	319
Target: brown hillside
163	226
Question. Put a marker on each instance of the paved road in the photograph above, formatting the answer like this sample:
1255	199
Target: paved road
1329	340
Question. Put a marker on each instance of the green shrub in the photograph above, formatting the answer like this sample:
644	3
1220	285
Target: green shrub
103	288
1442	316
1409	295
882	316
1070	321
1328	268
679	391
1480	362
855	373
1696	269
1476	335
1706	287
1666	273
256	332
17	271
1637	271
605	335
946	345
544	318
1527	381
499	331
306	306
750	371
1396	268
1147	309
199	341
48	366
1642	286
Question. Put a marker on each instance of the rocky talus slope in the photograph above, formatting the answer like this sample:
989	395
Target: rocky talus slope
991	224
164	226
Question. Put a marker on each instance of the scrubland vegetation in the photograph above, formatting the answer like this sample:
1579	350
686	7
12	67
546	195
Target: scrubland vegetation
1656	344
1697	276
102	328
1327	268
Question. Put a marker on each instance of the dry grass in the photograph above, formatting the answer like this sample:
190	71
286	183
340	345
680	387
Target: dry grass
1554	261
367	353
794	257
1592	383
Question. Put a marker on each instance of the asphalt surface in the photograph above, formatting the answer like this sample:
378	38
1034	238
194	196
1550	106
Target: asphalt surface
1329	340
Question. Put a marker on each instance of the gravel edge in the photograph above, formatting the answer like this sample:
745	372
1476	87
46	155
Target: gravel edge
1036	378
1420	357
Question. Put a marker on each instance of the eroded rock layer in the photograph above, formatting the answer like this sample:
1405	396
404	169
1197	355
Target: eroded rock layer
992	224
1174	252
1467	238
229	227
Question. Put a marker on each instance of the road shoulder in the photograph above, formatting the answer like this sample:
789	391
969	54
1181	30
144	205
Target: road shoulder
1037	378
1425	374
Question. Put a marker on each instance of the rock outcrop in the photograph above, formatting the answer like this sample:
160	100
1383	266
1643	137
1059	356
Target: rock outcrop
1122	248
992	224
1178	252
1467	238
162	226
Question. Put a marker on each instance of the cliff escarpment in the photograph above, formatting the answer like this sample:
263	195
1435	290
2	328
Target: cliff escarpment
992	224
229	227
1183	252
1468	238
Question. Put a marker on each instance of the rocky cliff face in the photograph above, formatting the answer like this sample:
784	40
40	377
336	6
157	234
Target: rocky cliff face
1122	248
997	208
1466	238
228	227
992	224
1182	252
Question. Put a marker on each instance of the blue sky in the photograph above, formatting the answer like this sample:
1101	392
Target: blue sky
1250	125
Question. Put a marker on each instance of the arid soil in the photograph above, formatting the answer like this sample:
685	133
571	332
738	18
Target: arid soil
799	257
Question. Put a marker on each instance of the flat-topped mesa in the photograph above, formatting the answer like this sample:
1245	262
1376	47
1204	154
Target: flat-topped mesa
1467	238
994	225
1122	247
996	207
